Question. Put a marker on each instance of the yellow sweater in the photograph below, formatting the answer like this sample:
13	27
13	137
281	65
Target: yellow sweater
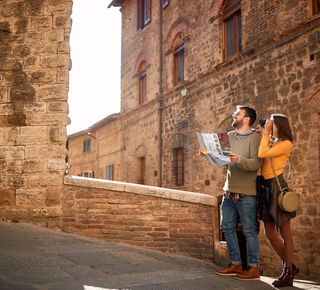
280	153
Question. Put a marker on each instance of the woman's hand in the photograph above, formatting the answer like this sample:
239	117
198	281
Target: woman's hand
268	128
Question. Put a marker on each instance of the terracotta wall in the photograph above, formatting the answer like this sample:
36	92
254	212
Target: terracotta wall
165	220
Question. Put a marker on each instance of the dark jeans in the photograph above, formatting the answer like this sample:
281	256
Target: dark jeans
243	249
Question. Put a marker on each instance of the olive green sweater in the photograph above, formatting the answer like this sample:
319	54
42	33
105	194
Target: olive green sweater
241	178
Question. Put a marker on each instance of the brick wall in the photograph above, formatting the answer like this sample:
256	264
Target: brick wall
160	219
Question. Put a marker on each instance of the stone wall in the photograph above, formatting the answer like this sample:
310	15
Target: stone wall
160	219
34	76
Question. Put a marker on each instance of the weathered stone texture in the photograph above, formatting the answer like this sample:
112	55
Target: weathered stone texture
34	66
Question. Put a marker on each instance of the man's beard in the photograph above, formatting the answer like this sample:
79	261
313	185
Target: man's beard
237	123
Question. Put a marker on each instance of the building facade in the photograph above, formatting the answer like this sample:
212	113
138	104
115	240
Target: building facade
185	66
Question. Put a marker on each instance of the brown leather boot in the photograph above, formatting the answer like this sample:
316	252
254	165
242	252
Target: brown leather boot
285	279
231	270
294	269
251	273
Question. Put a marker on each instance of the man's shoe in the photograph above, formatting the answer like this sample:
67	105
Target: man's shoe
286	278
251	273
231	270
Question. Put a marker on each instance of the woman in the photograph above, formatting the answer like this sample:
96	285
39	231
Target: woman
276	143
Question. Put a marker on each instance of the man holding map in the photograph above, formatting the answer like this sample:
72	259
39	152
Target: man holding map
239	198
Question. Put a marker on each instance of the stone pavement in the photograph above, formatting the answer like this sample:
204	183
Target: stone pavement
38	258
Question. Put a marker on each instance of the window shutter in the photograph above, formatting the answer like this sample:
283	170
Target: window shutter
147	12
139	16
109	172
165	3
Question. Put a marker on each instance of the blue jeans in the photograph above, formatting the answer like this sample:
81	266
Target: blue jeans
246	209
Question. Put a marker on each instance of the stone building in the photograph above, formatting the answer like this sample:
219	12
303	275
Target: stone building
185	66
34	77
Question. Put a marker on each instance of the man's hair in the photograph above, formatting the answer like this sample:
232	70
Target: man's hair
284	130
251	113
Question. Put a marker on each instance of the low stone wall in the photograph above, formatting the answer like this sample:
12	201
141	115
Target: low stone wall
161	219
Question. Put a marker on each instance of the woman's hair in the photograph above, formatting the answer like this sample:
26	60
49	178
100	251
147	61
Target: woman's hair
284	130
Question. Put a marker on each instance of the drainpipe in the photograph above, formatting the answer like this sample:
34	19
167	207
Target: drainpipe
159	95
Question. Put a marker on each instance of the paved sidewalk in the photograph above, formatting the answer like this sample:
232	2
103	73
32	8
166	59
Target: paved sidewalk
38	258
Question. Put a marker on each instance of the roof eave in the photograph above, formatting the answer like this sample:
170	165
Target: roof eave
116	3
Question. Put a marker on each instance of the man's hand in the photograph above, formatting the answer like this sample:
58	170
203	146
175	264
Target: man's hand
203	152
234	158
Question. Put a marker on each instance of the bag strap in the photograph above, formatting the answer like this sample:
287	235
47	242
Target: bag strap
275	175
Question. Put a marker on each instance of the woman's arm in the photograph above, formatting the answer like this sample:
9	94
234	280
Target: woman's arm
280	148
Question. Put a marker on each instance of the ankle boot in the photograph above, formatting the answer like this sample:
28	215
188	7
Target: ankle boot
295	270
282	274
285	279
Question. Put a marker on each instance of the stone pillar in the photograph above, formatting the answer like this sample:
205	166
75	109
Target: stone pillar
34	80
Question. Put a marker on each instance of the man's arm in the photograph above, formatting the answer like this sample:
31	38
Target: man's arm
253	163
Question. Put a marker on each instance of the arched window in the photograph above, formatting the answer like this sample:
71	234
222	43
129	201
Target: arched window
232	28
142	83
178	60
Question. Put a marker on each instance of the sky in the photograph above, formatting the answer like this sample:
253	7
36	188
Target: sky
95	41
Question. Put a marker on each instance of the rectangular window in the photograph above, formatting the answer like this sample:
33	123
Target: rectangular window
165	3
233	35
143	87
315	7
88	174
143	13
179	65
86	145
109	172
178	166
142	166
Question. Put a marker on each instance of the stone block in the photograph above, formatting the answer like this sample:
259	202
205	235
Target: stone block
7	197
59	107
53	93
56	61
53	197
34	166
46	212
30	197
41	23
23	93
16	120
30	108
35	135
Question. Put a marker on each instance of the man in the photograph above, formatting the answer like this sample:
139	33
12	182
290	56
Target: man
239	198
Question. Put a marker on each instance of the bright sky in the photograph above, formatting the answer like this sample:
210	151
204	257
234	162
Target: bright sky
94	86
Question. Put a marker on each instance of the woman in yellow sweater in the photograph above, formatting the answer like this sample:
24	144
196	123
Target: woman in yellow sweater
278	147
